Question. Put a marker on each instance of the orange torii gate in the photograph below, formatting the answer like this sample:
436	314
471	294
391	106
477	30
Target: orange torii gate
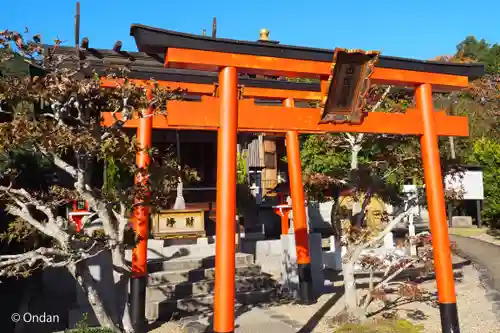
229	108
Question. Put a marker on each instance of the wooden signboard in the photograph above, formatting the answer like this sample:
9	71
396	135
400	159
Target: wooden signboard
347	85
180	223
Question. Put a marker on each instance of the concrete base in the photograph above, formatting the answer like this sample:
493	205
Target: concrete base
202	241
243	236
289	272
101	269
251	243
267	254
461	222
165	249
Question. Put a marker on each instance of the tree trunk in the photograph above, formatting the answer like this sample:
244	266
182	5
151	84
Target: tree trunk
355	149
121	277
352	307
85	279
350	292
350	296
452	147
117	317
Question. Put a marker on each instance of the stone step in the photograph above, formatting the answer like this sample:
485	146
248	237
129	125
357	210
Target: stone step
199	274
166	291
198	304
184	263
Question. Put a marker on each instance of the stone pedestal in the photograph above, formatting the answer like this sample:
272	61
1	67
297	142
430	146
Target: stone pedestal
289	273
202	241
389	241
333	258
461	222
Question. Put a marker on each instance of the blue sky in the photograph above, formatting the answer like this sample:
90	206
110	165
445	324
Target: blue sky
419	29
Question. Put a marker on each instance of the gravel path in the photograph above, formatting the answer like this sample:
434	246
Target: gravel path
486	258
475	309
487	238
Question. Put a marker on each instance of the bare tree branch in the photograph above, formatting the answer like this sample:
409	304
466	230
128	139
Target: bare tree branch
356	252
50	228
382	98
384	283
12	259
389	278
60	163
355	141
123	221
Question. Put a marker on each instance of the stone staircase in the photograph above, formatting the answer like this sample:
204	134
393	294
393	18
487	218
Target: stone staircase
184	286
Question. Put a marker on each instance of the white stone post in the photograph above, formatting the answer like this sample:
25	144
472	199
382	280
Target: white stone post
411	234
339	251
289	272
291	229
389	241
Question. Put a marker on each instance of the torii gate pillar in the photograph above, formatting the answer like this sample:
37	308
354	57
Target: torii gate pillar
437	213
225	225
138	279
299	213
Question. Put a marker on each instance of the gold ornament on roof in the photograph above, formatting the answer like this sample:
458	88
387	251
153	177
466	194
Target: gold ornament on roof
264	34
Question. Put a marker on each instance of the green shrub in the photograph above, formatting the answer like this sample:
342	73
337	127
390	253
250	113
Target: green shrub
83	327
487	154
241	167
90	330
382	326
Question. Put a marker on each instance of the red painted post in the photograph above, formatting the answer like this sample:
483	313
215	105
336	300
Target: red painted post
299	213
282	211
437	213
141	226
284	222
225	231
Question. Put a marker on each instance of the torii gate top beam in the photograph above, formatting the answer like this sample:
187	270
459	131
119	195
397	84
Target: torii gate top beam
193	60
204	53
208	54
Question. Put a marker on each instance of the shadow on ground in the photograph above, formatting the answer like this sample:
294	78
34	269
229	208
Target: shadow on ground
494	233
386	311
